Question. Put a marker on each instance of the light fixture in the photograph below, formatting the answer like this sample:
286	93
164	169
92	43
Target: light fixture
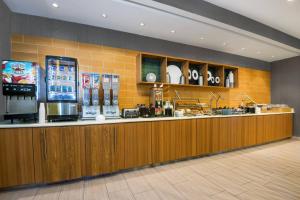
258	52
55	5
224	43
289	0
104	15
201	38
142	24
173	31
243	48
273	56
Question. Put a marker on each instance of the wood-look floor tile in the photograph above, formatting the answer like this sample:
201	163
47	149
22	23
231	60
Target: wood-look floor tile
173	177
227	184
223	196
138	184
26	194
168	192
149	195
73	191
95	190
116	183
121	195
48	193
191	191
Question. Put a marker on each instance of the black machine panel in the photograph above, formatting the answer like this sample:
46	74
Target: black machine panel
10	89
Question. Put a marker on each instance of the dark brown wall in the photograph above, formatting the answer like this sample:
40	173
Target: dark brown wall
285	86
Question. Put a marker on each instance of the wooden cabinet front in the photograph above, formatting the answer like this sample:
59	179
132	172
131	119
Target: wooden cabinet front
288	125
249	131
137	139
47	155
274	127
114	147
59	154
172	140
226	134
100	141
203	137
16	157
236	133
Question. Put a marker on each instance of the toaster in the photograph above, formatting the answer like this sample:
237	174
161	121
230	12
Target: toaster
130	113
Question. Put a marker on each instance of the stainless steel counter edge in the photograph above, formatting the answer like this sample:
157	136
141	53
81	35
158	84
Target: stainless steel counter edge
115	121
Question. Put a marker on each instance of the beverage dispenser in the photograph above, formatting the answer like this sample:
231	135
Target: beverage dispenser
156	100
20	89
61	92
90	83
111	83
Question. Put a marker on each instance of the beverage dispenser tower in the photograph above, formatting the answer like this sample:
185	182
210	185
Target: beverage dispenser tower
111	85
90	84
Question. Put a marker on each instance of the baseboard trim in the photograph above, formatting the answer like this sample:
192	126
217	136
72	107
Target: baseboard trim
296	137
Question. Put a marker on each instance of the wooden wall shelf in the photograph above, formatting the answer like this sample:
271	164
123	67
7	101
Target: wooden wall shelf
158	64
180	85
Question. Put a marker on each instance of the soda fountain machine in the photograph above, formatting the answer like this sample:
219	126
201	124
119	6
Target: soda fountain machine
90	84
61	88
20	89
111	83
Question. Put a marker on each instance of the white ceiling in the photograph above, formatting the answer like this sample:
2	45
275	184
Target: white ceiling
282	15
159	20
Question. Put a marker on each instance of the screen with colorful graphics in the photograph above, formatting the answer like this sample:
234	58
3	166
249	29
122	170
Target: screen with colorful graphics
61	79
19	72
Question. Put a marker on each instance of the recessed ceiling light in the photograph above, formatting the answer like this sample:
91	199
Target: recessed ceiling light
273	56
243	48
289	0
258	52
55	5
142	24
104	15
201	38
224	43
173	31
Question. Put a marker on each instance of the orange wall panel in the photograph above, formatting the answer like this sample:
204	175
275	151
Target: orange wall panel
103	59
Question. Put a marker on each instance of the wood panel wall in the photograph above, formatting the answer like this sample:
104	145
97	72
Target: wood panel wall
103	59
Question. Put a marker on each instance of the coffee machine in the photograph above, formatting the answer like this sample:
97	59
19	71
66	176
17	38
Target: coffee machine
90	84
111	85
61	88
156	99
20	89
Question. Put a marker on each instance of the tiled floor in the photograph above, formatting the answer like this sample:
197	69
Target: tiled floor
266	172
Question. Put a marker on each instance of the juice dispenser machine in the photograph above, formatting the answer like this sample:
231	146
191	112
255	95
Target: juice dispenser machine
111	82
20	88
61	88
90	84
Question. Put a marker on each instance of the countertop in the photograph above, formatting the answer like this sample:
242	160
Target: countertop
7	124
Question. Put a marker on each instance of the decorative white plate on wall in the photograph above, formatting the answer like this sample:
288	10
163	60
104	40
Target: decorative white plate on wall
151	77
175	74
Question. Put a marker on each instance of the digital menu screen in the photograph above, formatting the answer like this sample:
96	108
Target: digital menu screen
19	72
61	80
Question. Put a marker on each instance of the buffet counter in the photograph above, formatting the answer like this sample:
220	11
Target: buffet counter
33	154
7	124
